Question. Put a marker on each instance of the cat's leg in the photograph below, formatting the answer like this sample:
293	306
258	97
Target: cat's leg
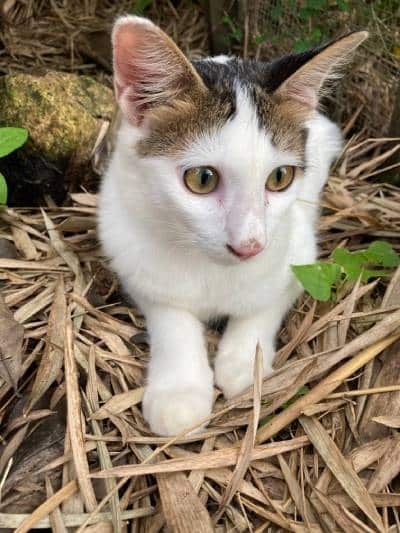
179	389
234	364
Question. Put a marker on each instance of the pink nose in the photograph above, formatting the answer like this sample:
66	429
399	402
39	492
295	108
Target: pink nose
246	249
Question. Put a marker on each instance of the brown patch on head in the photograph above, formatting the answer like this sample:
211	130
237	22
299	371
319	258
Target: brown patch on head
284	120
174	126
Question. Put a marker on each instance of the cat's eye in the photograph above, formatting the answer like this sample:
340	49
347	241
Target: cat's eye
280	178
201	180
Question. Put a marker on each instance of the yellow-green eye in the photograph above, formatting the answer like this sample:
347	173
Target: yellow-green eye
280	179
201	180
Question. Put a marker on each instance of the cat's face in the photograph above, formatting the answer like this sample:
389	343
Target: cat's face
220	146
223	190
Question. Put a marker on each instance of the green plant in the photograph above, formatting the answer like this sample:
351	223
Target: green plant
310	16
10	140
235	33
324	279
301	392
139	6
308	21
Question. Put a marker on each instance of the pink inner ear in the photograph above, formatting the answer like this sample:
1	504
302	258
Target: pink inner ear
126	40
132	69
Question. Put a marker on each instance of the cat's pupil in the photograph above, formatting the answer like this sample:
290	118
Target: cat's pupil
279	175
205	176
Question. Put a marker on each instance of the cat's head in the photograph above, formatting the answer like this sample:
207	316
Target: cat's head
223	147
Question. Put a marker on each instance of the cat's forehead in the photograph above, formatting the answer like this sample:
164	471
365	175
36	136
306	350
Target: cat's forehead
173	128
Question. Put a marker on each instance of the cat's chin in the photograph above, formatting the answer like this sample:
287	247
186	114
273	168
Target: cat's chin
224	259
231	260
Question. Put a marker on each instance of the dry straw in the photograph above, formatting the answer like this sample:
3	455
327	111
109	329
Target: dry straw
75	450
328	461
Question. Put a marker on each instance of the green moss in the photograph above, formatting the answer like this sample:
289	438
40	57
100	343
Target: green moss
60	110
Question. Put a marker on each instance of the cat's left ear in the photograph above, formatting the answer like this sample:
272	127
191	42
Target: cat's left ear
305	84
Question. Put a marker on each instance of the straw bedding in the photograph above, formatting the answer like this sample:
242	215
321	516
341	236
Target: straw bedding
75	445
314	447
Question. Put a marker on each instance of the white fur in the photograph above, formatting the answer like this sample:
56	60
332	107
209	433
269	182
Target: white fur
169	248
220	59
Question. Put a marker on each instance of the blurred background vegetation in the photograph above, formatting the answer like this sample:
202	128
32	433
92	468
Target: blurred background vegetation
73	35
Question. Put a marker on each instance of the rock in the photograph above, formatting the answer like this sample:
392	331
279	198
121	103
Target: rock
63	113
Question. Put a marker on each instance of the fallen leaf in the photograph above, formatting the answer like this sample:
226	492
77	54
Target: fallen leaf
182	507
377	404
119	403
389	421
11	337
52	359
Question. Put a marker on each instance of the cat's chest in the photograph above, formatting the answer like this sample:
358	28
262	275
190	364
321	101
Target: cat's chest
208	290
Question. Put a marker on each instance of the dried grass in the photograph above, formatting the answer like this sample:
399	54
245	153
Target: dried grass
75	450
74	36
316	465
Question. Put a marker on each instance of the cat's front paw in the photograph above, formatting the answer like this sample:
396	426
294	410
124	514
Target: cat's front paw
234	374
169	412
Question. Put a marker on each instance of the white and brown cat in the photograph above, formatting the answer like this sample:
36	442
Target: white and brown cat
210	195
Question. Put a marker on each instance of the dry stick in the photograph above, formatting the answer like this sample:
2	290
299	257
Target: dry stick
55	518
13	520
203	461
48	506
325	387
75	421
362	392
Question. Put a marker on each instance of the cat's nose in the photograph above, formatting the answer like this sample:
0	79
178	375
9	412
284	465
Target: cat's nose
246	249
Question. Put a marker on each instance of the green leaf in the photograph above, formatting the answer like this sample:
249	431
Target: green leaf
316	34
305	13
381	252
237	35
301	392
343	5
351	262
3	190
261	38
11	139
316	4
300	46
318	279
368	274
265	420
139	6
276	12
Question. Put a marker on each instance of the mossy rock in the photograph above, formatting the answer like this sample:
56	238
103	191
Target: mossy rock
61	111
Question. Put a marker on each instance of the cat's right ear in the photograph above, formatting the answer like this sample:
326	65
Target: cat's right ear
149	69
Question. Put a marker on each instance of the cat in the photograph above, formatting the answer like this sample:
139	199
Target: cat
210	196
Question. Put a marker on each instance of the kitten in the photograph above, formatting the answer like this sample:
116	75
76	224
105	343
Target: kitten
210	195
